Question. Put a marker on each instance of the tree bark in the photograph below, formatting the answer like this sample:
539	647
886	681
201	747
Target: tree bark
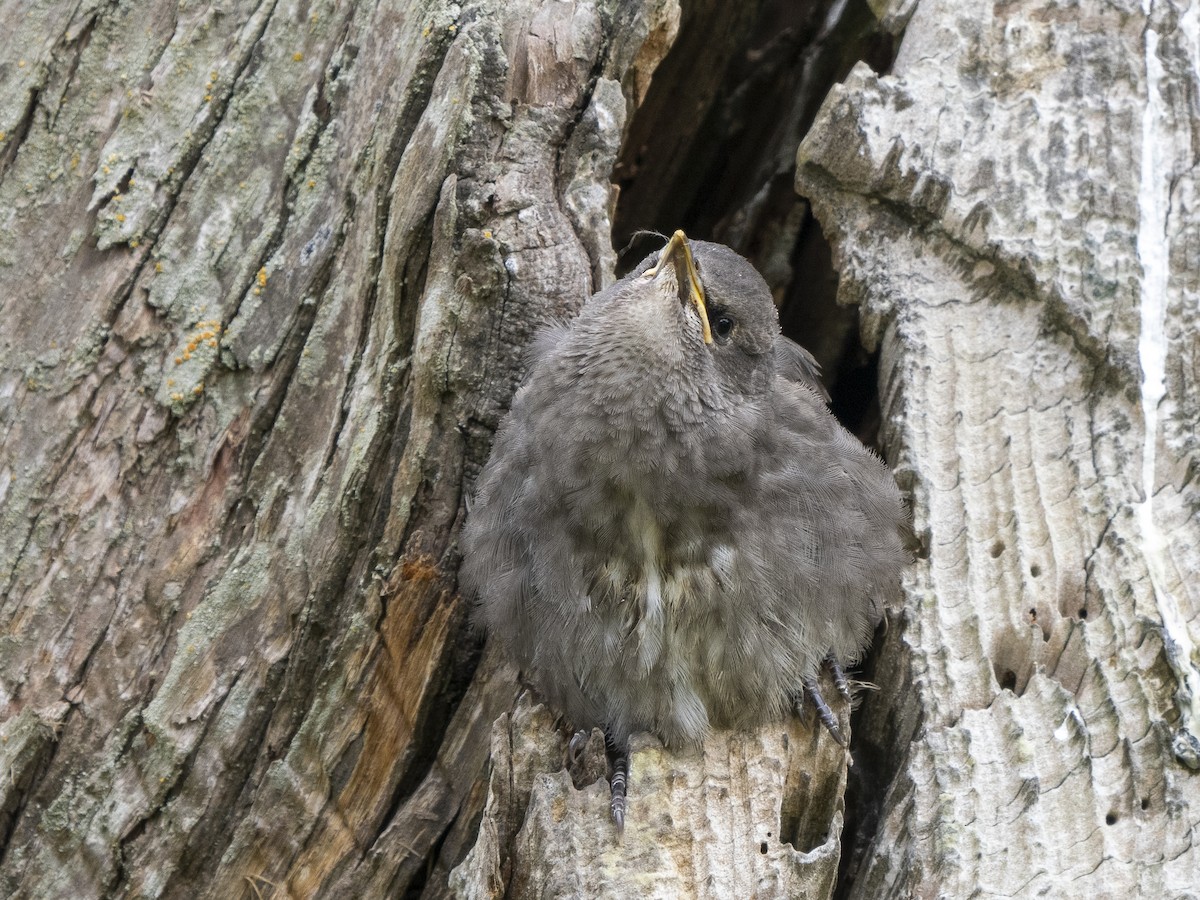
1014	210
266	277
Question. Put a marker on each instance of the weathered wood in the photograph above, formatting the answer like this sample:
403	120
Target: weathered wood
1014	209
268	271
749	814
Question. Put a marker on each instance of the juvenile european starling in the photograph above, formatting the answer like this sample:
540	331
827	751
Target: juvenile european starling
673	533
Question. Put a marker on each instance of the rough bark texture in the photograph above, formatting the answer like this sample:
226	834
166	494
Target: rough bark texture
1015	211
266	274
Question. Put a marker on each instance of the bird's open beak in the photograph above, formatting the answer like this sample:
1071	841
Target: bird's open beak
678	255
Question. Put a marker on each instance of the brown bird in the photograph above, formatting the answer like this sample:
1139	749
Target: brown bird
673	533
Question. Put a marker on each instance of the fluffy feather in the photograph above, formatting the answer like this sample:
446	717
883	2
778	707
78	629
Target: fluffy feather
671	535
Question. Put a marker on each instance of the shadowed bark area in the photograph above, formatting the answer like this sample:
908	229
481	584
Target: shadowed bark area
267	273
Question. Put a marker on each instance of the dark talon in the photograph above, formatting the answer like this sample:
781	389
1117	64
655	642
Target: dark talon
839	676
618	758
578	740
824	713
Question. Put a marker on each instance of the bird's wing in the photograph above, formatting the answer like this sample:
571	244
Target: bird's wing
796	364
835	521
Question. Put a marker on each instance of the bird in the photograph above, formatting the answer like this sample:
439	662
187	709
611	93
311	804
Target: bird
673	533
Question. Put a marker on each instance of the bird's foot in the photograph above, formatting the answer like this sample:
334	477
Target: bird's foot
578	741
839	676
617	752
813	691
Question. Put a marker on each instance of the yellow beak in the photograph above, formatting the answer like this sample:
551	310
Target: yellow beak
678	254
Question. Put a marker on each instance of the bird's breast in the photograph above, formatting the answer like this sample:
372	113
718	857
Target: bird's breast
658	582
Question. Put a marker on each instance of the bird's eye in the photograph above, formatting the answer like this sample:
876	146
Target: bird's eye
722	326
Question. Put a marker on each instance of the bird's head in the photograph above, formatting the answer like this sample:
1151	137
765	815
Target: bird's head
696	311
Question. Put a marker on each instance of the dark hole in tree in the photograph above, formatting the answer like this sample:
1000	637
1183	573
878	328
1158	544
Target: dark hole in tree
997	549
1083	612
762	848
1008	680
1035	570
1110	819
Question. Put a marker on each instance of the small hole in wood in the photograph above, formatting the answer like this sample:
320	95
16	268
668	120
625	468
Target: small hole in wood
1145	803
762	848
1008	680
1110	819
1033	614
997	549
1083	612
1035	570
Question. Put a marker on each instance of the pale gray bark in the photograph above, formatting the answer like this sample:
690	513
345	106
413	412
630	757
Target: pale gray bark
1013	208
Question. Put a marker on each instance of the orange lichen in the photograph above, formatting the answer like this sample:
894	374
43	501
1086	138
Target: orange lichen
419	569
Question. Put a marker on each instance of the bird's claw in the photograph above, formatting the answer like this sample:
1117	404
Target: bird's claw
578	741
813	691
839	676
618	758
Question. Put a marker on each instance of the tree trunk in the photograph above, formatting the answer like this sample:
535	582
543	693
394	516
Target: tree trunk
1015	212
268	275
266	278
